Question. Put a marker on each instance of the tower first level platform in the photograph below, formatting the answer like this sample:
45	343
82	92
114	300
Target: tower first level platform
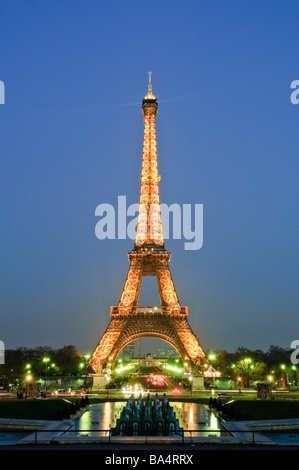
142	322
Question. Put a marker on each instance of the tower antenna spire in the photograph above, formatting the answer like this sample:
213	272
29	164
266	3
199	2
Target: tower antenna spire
149	83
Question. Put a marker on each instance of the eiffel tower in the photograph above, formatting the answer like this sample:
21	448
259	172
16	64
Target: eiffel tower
129	321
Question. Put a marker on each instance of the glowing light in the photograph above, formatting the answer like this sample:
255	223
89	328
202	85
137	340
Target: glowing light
157	380
191	415
214	421
174	368
211	372
123	368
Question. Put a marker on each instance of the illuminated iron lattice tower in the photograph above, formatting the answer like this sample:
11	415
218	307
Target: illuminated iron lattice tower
148	258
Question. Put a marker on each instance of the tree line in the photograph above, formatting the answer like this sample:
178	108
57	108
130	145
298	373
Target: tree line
246	366
249	365
41	361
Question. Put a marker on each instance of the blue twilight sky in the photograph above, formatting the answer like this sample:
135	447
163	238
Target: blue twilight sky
71	132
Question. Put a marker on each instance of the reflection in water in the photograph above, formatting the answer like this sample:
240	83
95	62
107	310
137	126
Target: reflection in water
102	417
193	416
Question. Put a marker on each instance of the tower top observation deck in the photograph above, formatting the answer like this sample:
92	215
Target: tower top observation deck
149	102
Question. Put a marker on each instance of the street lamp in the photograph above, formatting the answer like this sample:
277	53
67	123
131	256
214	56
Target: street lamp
46	360
284	376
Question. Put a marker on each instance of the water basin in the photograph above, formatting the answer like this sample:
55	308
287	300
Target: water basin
101	417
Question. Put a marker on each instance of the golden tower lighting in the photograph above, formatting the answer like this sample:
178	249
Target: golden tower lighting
129	321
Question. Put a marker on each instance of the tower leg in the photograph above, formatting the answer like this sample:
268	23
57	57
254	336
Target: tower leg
102	354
